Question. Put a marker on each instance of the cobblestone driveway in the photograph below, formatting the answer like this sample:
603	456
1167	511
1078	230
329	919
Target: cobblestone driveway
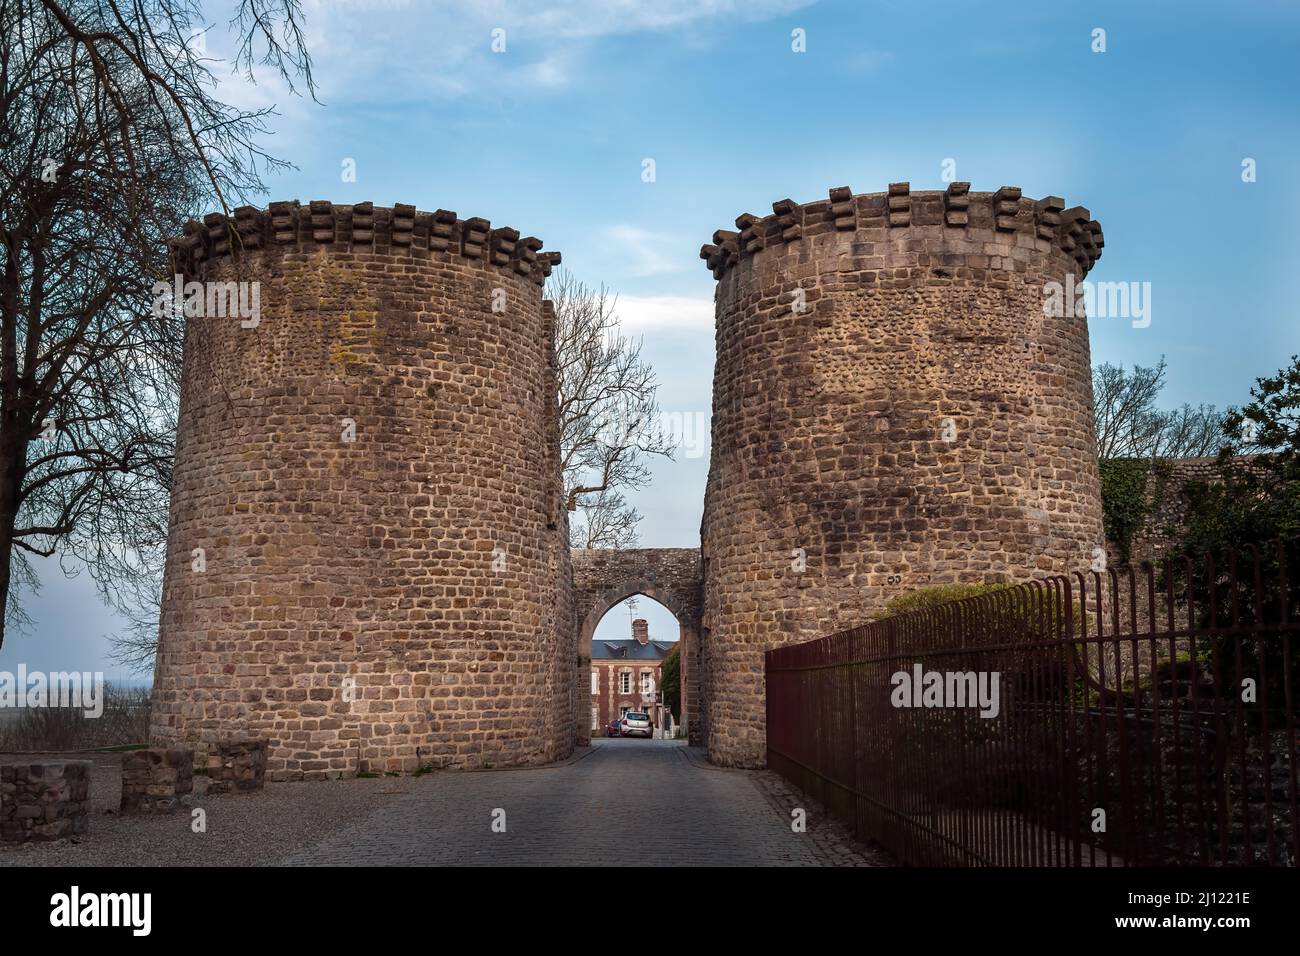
627	802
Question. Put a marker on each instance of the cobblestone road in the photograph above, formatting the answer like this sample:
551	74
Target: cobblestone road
627	802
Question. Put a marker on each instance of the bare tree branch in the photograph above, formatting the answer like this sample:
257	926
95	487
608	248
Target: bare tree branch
1130	425
111	138
609	414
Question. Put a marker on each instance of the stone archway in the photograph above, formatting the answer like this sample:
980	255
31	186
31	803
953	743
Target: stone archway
603	578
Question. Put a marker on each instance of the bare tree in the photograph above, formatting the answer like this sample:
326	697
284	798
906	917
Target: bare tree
1130	425
606	521
112	138
1124	404
1191	432
609	414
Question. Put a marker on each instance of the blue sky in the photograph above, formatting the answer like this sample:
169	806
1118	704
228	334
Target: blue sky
549	137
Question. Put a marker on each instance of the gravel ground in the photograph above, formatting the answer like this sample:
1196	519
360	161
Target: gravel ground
242	829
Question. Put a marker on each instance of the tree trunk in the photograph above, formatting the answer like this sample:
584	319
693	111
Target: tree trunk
13	456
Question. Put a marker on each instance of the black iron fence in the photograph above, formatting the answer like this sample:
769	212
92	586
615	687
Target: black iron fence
1144	716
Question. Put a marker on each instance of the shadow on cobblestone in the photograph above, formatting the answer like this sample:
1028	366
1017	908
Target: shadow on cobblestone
631	802
622	802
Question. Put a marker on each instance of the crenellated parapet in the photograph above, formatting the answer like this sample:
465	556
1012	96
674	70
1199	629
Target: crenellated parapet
361	227
886	215
368	463
896	403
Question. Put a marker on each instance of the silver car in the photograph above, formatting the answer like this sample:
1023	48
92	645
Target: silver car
636	724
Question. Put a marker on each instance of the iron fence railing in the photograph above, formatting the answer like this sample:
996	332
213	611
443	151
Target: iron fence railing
1144	716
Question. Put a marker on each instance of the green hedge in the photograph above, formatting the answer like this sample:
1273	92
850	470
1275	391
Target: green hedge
937	594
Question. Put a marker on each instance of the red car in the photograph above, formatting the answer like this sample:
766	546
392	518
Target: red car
612	728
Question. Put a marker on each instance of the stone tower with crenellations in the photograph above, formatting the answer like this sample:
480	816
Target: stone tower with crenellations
892	408
368	558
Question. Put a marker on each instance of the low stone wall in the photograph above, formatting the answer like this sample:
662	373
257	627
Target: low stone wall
237	766
154	780
1167	503
43	801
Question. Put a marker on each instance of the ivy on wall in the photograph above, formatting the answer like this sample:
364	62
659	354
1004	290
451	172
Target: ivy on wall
1125	504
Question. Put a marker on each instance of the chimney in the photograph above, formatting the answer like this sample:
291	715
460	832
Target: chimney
641	631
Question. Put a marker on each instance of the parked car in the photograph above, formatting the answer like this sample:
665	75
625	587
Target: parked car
636	724
612	728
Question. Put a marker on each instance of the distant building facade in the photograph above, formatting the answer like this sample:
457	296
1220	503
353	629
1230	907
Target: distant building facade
626	675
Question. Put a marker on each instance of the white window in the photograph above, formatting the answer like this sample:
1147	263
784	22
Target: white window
625	682
595	718
647	683
595	681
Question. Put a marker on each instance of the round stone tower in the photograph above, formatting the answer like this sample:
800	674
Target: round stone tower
892	407
367	560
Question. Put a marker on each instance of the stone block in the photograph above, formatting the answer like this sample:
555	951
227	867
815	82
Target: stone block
43	801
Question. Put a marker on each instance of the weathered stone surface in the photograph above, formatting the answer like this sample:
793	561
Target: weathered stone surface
237	766
155	779
891	408
43	801
1166	480
389	602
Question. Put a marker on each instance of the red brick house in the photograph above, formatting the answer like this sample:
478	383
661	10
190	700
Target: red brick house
625	675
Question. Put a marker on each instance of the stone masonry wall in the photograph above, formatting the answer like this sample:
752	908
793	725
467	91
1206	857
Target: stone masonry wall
43	801
1165	481
237	766
603	578
891	408
155	779
367	557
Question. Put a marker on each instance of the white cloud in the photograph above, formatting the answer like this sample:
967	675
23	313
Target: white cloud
592	18
665	312
868	61
647	253
410	49
552	72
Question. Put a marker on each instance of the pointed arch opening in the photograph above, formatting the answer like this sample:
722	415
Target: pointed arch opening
668	586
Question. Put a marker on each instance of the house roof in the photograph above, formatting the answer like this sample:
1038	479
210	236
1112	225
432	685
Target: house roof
629	649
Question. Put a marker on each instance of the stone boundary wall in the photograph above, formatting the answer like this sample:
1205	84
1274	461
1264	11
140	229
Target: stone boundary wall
237	766
155	779
1168	506
43	801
